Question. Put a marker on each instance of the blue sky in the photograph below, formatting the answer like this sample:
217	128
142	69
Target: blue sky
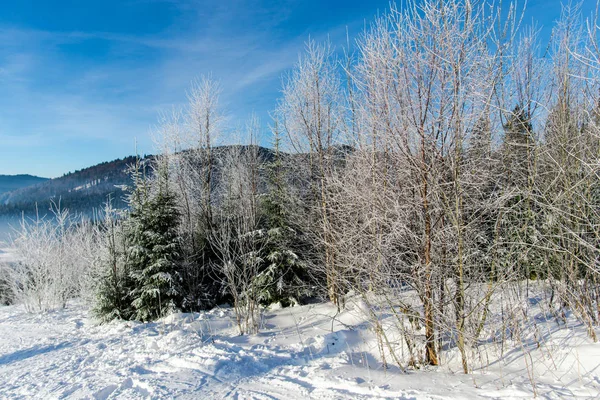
81	80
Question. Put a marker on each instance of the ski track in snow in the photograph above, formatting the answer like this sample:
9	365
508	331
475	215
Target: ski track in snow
64	354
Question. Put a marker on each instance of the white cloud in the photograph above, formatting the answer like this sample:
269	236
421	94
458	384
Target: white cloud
56	95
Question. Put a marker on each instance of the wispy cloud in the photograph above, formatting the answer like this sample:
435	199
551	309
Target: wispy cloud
69	84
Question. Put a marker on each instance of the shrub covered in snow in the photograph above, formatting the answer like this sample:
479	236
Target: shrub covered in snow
56	260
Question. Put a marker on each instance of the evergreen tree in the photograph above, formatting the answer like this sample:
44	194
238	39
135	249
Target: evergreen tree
5	289
284	277
521	217
153	253
480	191
518	148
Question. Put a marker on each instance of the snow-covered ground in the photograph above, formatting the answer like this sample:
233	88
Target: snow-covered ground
65	354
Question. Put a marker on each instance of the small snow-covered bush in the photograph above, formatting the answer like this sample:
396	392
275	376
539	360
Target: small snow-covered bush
55	261
5	289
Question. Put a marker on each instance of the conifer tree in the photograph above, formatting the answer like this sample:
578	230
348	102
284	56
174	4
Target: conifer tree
283	278
153	253
521	219
517	148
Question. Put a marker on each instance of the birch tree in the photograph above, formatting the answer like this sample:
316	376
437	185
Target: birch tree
311	116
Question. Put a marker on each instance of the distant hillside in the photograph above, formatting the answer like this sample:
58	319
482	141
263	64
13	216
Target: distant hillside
85	190
79	191
88	189
9	183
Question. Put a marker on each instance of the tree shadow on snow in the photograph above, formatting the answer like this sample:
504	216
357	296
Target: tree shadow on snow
34	351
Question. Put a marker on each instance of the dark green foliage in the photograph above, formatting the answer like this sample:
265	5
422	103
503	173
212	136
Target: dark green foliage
521	221
518	148
153	256
6	295
201	286
284	276
155	265
112	299
144	281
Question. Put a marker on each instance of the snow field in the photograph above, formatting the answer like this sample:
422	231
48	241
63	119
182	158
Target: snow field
296	355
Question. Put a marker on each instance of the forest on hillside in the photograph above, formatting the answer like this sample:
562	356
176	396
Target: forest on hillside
12	182
84	191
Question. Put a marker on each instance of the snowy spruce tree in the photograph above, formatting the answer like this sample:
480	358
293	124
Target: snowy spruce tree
283	277
520	222
153	252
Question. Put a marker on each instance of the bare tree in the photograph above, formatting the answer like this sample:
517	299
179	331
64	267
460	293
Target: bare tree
237	236
311	115
186	139
418	191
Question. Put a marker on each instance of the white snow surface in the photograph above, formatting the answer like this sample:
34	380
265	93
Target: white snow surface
296	355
